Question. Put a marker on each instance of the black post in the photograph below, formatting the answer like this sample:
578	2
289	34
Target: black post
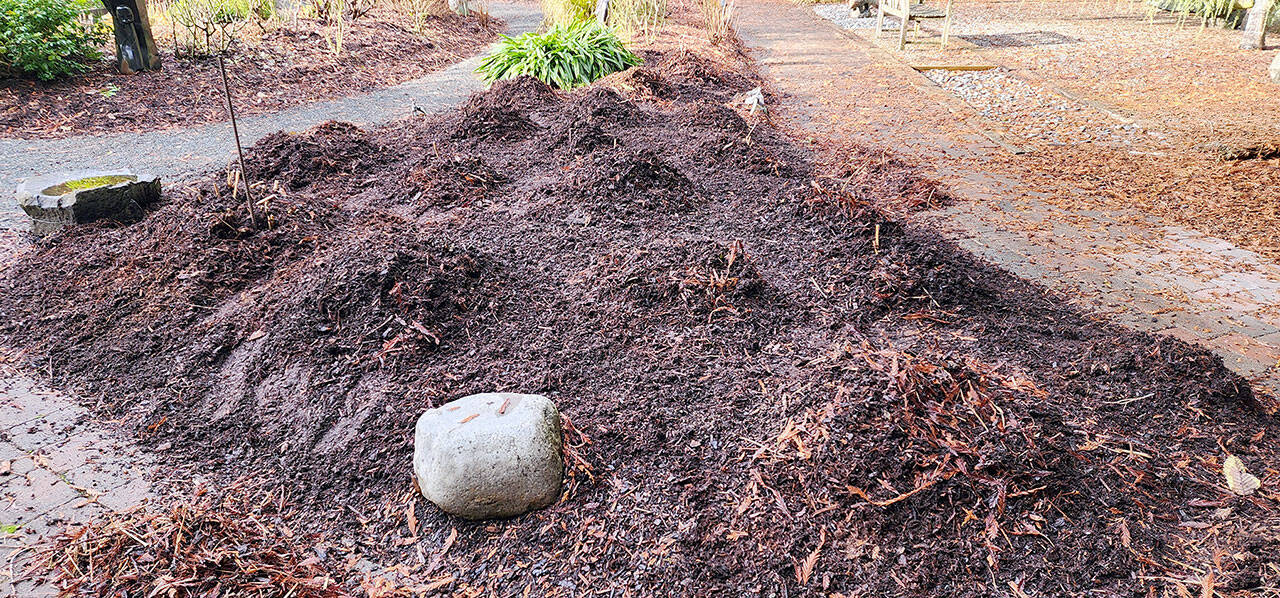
135	48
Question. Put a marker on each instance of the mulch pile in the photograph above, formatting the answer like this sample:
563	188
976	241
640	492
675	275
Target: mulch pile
287	64
773	387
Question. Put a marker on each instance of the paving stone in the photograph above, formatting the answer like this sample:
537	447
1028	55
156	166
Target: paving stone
66	470
1231	299
97	479
1184	335
33	494
133	492
19	461
1246	356
74	513
1250	325
21	401
1205	326
44	431
1200	243
28	589
78	450
1272	339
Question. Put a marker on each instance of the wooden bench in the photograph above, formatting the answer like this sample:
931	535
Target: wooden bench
913	10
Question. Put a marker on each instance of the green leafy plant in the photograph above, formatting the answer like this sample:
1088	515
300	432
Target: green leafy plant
1230	12
47	39
566	56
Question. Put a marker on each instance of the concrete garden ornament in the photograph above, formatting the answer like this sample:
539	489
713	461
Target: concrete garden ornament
56	201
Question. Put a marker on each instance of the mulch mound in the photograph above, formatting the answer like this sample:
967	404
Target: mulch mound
289	64
773	387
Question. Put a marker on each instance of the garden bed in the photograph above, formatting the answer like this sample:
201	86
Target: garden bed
774	387
287	63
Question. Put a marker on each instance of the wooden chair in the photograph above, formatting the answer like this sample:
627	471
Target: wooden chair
913	10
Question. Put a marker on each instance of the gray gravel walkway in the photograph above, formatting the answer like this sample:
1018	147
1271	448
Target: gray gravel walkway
177	154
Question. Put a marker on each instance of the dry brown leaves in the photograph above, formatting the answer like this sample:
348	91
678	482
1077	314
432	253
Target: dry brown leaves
1238	201
236	545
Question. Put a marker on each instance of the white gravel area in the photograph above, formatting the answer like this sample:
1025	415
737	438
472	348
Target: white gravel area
845	19
1031	112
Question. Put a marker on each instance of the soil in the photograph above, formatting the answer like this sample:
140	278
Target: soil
276	66
772	387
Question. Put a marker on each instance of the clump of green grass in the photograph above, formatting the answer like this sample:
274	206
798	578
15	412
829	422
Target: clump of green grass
634	17
566	56
565	12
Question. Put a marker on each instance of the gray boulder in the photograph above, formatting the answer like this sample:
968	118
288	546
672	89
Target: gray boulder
1275	69
54	201
489	456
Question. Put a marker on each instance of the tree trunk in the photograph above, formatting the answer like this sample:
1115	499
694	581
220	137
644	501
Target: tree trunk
1255	26
602	10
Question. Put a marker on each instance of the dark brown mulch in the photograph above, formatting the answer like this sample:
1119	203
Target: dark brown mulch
776	388
287	65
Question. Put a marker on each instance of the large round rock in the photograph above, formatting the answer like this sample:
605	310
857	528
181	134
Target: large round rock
490	455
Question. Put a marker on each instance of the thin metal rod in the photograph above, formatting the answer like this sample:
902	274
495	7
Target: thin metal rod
235	130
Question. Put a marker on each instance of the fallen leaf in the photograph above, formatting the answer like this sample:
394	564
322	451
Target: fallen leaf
1206	585
1239	480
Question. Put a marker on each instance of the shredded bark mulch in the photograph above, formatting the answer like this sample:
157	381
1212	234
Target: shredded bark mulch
287	64
235	544
773	387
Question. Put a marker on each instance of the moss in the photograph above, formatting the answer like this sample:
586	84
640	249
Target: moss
88	183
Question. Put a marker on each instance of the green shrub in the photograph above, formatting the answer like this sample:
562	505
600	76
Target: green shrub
566	56
209	26
1230	12
48	38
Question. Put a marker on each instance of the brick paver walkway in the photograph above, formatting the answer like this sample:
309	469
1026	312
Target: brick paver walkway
58	466
1125	266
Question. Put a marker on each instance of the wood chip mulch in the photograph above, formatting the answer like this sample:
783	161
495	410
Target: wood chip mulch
286	64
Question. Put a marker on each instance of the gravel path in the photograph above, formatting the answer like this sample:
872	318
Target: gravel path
844	18
182	153
1033	113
